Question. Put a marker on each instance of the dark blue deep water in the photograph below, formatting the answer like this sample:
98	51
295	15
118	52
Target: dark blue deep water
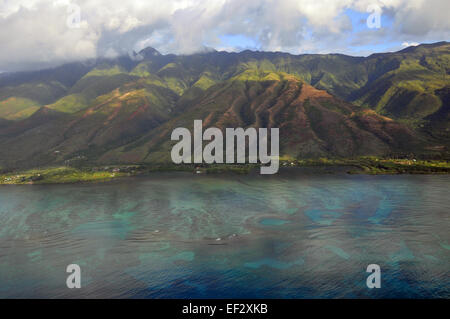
176	235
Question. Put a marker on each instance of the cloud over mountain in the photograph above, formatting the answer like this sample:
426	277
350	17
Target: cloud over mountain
40	33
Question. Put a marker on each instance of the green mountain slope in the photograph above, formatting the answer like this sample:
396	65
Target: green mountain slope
312	122
325	105
51	136
407	84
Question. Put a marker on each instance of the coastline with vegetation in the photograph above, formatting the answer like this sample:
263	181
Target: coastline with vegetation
364	165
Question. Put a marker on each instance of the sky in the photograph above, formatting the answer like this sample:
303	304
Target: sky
36	34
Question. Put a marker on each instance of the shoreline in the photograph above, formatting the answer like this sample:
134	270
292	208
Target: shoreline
100	174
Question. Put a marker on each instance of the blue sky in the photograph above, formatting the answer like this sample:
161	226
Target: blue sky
358	20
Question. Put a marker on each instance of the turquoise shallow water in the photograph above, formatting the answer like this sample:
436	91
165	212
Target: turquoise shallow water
176	235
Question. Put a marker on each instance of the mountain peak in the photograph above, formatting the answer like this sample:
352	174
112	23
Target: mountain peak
149	52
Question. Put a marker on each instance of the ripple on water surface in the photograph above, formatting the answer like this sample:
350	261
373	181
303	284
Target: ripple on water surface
177	235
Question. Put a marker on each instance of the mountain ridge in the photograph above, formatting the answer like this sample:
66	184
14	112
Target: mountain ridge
117	103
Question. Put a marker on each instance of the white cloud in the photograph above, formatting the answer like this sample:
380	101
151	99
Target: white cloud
410	44
34	33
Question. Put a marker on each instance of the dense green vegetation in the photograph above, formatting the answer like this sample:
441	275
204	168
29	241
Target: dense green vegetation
363	165
374	165
57	175
17	108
